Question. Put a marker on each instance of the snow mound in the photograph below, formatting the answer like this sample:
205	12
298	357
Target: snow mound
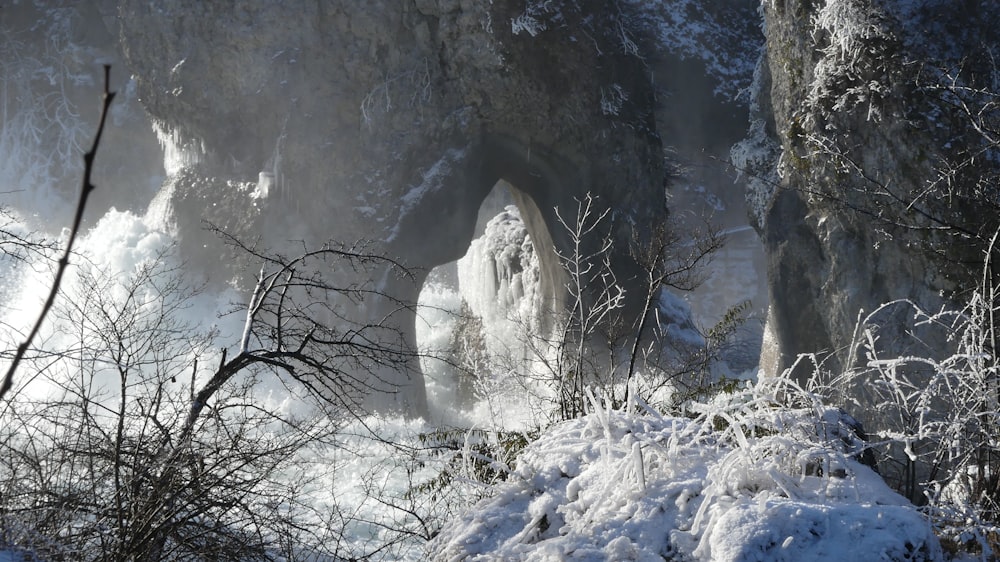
740	480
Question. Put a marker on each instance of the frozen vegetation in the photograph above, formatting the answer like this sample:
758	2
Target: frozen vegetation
737	478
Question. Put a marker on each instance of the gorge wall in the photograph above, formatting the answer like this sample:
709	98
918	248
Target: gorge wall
391	121
884	185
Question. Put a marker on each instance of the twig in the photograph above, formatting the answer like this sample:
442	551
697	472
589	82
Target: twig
86	189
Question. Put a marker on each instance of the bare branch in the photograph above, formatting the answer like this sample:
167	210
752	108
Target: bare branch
85	191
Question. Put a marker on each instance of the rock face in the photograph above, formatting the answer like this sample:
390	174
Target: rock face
392	120
52	82
886	165
885	190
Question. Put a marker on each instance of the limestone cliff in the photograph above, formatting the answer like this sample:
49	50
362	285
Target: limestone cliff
391	121
886	184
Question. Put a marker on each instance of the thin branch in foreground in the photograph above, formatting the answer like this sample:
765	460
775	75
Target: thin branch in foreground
86	189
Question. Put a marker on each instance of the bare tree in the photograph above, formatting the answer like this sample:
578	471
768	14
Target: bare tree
86	189
667	261
597	340
594	296
155	443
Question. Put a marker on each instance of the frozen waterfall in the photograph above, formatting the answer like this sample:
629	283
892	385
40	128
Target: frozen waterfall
499	276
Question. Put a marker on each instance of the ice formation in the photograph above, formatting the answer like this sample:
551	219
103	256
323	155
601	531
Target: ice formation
499	278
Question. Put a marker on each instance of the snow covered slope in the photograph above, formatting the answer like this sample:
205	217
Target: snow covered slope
739	480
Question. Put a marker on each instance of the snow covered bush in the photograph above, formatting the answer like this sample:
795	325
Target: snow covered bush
764	473
855	48
934	416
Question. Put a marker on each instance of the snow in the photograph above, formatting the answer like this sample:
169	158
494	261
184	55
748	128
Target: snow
741	481
848	33
499	275
432	180
526	23
720	35
116	246
178	152
475	326
724	36
439	310
119	249
755	157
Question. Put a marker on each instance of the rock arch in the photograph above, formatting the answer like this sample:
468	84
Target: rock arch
391	121
542	181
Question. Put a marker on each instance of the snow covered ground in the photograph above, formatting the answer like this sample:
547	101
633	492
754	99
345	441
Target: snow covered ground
737	480
759	472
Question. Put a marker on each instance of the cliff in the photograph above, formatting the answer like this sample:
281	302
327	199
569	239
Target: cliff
392	121
884	184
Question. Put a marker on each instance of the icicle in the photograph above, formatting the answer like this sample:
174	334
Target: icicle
178	153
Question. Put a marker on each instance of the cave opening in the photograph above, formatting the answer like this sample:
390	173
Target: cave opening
474	312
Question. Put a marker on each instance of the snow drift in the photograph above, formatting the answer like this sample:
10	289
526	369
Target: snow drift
739	480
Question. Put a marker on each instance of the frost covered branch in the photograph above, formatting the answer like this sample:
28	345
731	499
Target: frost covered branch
85	191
